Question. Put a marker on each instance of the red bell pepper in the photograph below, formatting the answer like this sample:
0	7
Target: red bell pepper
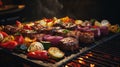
9	45
27	27
41	55
18	23
19	39
48	20
94	26
4	34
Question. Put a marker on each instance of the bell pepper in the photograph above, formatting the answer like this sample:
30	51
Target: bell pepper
19	24
19	39
8	38
4	34
27	27
40	55
47	20
28	41
9	45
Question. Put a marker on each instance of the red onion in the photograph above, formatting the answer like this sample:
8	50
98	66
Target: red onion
82	29
96	31
53	39
104	30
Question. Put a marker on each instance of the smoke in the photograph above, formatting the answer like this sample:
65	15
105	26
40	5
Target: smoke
43	8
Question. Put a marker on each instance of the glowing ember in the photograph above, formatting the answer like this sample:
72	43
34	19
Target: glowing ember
80	61
92	65
90	54
86	57
66	66
81	58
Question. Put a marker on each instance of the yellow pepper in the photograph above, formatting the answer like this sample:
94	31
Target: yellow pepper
28	41
8	38
65	19
114	28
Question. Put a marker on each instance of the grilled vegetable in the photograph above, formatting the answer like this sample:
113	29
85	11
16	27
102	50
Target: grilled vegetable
55	53
35	46
3	33
114	28
28	41
1	37
9	45
46	44
41	55
19	39
8	38
54	40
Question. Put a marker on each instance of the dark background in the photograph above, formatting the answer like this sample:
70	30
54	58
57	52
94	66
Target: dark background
77	9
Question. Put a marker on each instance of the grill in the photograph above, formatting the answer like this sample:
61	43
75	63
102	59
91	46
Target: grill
95	59
104	55
92	55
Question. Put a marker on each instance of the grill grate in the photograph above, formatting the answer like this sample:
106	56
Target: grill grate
95	59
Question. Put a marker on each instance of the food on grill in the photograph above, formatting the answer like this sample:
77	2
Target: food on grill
46	44
97	23
39	37
69	44
78	22
55	53
1	37
8	38
61	32
114	28
105	23
70	25
4	34
9	45
28	41
26	32
76	34
58	36
54	40
11	29
35	46
87	37
86	23
19	39
96	30
104	30
41	55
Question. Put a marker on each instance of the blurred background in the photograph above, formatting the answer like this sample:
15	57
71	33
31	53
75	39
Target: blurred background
77	9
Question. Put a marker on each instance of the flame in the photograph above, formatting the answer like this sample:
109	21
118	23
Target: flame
21	6
86	56
92	65
90	54
66	66
80	61
81	58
